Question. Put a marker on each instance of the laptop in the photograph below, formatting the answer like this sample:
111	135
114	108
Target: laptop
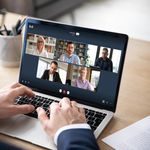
60	60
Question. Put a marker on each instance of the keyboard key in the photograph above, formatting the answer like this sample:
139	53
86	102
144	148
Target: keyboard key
94	118
45	105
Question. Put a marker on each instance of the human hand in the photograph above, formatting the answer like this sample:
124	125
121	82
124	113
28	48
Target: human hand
8	97
63	113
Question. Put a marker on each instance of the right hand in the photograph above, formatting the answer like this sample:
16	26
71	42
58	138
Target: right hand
63	113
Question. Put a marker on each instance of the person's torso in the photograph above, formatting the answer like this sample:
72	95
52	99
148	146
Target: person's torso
104	64
72	59
82	84
42	54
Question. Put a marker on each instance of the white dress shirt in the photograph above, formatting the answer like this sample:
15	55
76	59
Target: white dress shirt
50	77
43	53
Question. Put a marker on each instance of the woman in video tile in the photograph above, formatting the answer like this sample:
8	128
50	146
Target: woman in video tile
40	51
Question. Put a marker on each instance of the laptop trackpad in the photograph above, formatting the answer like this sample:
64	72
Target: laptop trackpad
26	128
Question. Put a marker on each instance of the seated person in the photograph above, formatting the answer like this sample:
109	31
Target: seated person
82	82
104	63
40	51
51	74
66	126
69	56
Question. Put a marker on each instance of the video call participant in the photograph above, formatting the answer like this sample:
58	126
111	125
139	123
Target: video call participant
69	56
104	63
66	126
82	82
40	48
51	74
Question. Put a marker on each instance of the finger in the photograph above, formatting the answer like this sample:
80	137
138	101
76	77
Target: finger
21	91
81	110
82	114
74	105
54	109
8	87
41	115
65	103
22	109
15	85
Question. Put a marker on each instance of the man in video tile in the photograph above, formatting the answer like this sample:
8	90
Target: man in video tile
69	56
82	82
104	63
51	74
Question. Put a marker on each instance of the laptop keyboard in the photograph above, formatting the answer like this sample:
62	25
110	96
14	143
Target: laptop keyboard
94	118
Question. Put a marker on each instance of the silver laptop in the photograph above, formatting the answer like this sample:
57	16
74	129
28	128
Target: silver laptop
60	60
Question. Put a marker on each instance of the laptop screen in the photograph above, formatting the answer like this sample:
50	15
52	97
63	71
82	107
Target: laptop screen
80	63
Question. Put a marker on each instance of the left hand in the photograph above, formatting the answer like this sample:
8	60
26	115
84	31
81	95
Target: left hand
8	97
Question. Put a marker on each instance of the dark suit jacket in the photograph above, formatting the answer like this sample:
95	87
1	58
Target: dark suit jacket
72	139
104	64
5	146
77	139
56	77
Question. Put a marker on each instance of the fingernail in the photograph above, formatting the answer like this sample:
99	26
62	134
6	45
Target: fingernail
38	109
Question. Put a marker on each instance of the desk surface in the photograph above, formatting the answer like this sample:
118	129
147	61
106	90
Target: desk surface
134	97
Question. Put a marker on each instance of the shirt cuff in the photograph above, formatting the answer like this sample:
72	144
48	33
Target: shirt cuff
68	127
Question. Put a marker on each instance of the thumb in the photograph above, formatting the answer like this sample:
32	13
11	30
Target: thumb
23	109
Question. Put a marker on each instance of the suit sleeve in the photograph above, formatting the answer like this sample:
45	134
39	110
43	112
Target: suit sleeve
77	139
110	66
96	63
58	78
44	76
5	146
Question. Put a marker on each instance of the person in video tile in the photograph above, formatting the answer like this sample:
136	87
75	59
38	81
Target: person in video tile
51	74
104	63
82	82
40	50
69	56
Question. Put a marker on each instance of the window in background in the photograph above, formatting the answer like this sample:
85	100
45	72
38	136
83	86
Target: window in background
92	51
116	59
63	74
95	75
41	68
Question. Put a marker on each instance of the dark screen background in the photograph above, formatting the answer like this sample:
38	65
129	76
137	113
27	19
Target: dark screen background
109	82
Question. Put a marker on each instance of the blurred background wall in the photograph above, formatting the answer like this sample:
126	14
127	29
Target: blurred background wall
46	9
126	16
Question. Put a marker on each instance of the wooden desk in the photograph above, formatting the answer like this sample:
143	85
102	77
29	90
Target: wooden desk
134	97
